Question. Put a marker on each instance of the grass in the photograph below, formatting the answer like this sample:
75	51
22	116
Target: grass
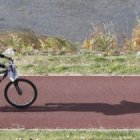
69	135
83	64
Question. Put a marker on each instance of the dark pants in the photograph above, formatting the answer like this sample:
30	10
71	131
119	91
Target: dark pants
2	65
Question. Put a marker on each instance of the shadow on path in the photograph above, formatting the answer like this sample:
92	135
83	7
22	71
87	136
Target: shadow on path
125	107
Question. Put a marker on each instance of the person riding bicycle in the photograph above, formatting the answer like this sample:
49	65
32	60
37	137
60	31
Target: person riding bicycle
6	57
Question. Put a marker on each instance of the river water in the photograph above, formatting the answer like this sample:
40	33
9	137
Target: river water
72	19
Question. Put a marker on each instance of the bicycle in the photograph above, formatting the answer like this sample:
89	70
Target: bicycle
16	90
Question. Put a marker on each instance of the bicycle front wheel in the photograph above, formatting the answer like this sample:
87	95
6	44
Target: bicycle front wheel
20	93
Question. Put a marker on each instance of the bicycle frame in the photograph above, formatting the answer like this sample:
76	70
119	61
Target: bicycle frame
15	86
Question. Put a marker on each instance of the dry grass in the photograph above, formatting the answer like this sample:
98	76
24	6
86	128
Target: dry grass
27	42
102	41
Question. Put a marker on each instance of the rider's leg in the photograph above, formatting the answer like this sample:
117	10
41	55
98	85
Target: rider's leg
2	66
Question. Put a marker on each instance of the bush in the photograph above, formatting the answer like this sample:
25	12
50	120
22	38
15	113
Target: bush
57	45
27	42
101	41
20	41
133	44
136	38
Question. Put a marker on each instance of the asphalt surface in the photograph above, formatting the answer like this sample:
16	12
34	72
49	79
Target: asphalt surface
77	102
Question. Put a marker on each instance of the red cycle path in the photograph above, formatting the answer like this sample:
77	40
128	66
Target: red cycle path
77	102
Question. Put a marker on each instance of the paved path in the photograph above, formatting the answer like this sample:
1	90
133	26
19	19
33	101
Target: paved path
78	102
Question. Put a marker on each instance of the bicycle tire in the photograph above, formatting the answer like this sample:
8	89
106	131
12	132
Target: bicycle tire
20	80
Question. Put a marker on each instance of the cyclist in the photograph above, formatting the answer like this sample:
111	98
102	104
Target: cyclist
6	57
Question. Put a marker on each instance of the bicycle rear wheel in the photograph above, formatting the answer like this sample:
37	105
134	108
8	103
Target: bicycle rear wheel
20	93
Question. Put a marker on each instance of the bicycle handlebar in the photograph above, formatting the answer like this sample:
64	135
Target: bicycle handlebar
5	72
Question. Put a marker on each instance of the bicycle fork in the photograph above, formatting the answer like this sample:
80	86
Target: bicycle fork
19	91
